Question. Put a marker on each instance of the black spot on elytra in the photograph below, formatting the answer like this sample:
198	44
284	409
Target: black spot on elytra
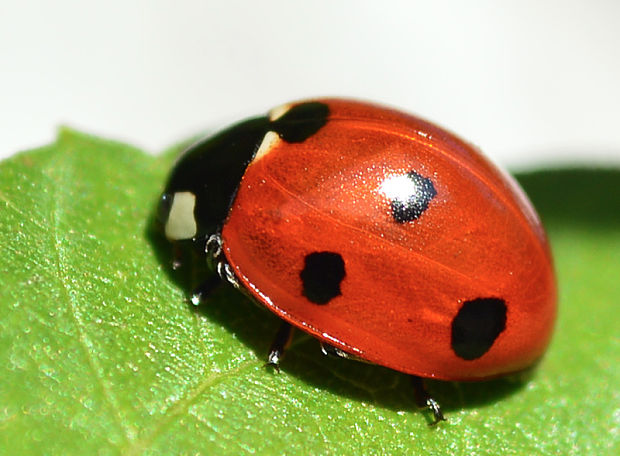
476	326
301	121
410	206
321	277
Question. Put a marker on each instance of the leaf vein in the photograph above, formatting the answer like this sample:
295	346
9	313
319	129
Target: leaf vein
63	276
183	404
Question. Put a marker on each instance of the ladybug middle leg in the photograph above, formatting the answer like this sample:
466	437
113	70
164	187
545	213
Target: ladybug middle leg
278	346
424	400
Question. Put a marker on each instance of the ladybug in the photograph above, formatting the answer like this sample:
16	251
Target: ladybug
385	237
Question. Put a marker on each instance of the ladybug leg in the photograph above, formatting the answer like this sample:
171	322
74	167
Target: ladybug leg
279	345
217	261
330	350
177	256
204	289
423	399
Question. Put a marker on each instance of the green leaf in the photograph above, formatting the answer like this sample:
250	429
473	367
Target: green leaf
100	353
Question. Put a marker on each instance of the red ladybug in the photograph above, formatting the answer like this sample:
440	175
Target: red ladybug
385	237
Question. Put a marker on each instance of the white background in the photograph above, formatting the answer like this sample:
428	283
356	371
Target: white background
531	82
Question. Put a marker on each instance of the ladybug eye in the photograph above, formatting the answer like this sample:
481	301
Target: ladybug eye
409	195
163	209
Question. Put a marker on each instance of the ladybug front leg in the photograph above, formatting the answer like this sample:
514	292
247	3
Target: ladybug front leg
279	345
423	399
177	256
204	289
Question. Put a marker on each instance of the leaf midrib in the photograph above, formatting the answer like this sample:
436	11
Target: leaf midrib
64	166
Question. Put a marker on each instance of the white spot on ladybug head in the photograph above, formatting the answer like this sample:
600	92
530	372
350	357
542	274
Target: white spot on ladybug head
181	223
270	139
279	111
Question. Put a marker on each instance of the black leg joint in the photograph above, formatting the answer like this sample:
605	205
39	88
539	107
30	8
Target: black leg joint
424	400
279	345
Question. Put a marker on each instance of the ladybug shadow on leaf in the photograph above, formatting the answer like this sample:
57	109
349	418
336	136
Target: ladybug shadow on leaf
256	327
576	196
386	388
